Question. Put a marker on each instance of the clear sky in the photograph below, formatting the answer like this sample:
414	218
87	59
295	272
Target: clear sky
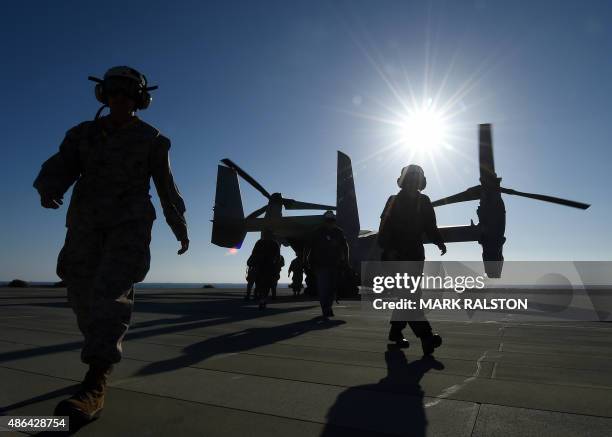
279	86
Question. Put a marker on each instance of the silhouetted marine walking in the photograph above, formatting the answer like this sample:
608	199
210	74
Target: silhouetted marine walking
279	267
250	278
112	160
327	255
265	260
297	269
406	217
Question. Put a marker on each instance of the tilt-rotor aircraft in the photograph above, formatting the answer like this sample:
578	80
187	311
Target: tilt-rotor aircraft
230	225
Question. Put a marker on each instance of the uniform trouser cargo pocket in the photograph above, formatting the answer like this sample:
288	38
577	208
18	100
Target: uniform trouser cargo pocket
100	267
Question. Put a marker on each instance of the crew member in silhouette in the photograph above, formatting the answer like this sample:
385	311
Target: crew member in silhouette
250	278
327	255
111	160
311	284
279	267
407	216
297	269
265	259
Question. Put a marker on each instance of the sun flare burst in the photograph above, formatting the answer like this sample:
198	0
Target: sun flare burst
423	130
411	120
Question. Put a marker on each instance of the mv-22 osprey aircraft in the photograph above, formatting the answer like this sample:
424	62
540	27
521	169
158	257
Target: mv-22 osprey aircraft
230	225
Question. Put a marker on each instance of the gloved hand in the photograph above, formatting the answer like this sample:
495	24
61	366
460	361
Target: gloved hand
50	201
184	246
442	248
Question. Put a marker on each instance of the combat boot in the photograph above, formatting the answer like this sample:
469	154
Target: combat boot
87	403
430	342
396	336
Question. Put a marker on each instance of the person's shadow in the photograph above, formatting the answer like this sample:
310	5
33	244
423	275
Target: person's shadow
392	406
236	342
196	353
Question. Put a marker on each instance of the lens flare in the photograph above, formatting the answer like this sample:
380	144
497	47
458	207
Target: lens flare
423	129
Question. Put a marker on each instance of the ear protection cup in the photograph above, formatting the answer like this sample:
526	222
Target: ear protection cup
145	97
100	95
145	100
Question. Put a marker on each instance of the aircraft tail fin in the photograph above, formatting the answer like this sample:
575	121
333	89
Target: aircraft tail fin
228	228
346	200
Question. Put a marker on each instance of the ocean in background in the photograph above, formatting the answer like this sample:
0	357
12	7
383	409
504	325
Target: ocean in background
162	284
195	285
187	285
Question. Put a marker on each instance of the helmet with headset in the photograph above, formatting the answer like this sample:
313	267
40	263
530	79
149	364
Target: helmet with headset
124	80
329	216
412	175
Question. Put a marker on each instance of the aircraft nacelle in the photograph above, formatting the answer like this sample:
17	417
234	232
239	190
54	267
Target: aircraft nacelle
492	225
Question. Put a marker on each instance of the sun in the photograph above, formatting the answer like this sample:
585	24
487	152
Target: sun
423	129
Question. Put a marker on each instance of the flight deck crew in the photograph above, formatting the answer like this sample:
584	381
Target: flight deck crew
327	255
297	269
106	251
250	277
279	267
265	259
406	217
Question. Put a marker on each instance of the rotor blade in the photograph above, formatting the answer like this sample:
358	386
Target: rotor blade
295	204
258	212
545	198
472	193
247	177
485	153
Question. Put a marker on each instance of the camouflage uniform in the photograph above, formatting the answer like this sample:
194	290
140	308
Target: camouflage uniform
109	222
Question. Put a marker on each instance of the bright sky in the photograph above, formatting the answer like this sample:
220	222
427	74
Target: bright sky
279	86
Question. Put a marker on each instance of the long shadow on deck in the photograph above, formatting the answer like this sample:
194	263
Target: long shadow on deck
240	341
191	315
397	407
